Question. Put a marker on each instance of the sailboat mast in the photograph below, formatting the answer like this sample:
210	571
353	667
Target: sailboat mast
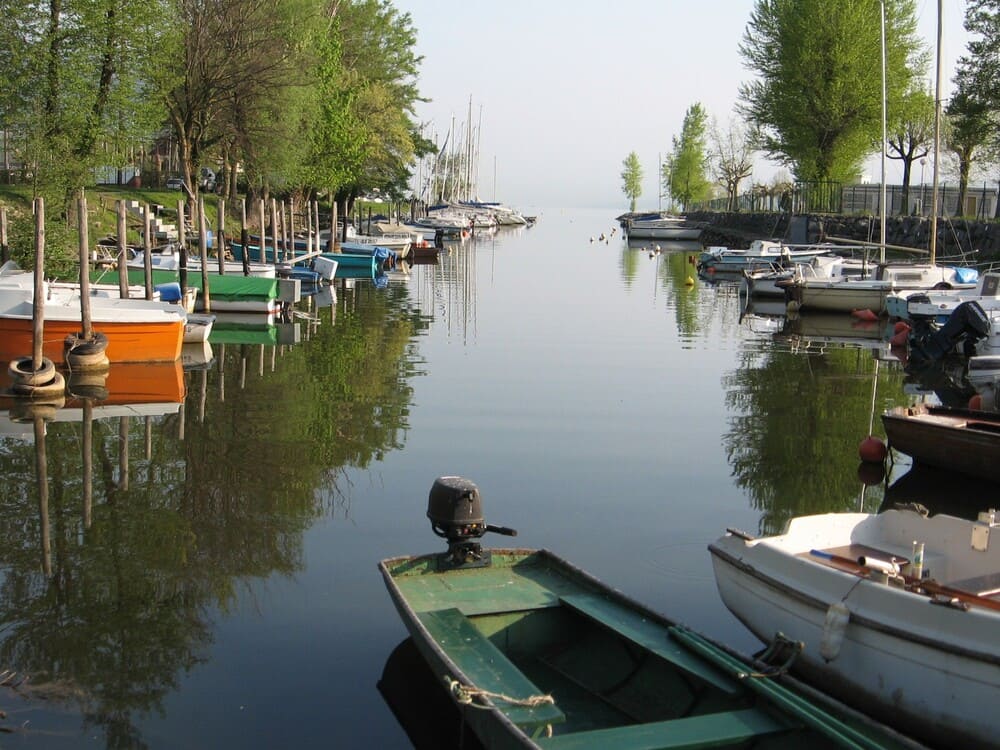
884	138
468	154
937	140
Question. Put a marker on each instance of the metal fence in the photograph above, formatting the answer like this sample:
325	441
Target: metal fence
980	201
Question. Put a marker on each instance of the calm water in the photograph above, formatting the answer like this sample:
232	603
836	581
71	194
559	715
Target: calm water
217	586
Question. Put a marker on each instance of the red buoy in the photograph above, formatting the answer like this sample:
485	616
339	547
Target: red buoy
900	337
976	402
900	326
871	473
864	314
872	450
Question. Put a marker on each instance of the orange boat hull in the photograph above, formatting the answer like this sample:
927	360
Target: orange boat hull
127	342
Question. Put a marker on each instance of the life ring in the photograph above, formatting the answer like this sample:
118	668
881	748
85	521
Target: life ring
22	372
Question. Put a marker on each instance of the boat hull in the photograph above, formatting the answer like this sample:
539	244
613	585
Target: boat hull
955	439
837	296
664	233
542	648
127	342
924	669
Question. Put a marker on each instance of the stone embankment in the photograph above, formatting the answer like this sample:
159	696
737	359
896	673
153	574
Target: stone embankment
975	242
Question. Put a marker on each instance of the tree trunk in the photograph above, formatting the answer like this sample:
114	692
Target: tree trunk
964	167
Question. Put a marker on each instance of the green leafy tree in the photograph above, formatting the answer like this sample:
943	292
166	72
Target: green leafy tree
817	94
688	162
911	135
366	136
227	64
632	179
971	125
72	92
975	105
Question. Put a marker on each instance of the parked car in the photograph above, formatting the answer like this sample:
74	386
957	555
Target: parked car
175	183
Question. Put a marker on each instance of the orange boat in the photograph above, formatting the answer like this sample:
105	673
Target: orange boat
138	330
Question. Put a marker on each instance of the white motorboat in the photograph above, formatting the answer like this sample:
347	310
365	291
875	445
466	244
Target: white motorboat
662	228
760	254
938	304
769	281
897	613
198	327
847	294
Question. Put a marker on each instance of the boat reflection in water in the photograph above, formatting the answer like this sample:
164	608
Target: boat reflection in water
419	701
941	491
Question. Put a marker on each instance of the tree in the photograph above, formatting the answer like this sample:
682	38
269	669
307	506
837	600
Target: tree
911	135
817	97
970	126
632	179
72	85
975	105
223	65
688	161
732	158
366	136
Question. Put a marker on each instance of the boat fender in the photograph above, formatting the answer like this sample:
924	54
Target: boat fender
834	627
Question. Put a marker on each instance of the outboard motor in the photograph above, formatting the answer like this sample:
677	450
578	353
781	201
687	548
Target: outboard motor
456	513
968	321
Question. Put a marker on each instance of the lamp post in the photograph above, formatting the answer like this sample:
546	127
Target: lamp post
923	161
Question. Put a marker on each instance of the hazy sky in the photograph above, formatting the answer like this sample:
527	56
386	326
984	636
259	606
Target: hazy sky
565	90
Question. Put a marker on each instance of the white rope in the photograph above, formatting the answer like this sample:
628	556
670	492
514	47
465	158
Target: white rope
465	694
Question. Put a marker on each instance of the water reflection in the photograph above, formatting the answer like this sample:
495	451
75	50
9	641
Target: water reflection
135	509
800	414
940	492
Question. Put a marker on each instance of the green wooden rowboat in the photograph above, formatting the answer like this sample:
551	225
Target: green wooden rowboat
536	653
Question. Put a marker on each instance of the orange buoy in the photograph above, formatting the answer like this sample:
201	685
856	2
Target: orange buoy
864	314
900	338
976	402
872	450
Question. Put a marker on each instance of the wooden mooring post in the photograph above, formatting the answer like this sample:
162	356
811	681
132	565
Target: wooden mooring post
4	247
182	274
263	236
220	235
147	250
206	301
122	251
245	238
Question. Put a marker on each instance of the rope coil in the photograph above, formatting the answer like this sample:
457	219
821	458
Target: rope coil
466	694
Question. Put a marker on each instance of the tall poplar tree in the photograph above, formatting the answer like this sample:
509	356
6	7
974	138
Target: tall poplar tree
817	95
632	179
687	165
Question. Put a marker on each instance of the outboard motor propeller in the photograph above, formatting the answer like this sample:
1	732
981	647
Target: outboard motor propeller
456	513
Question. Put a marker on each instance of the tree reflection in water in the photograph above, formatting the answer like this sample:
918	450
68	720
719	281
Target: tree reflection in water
183	511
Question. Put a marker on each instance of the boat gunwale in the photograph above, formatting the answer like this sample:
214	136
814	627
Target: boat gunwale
816	603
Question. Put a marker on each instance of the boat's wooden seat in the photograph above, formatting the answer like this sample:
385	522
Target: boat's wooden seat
649	635
706	730
487	668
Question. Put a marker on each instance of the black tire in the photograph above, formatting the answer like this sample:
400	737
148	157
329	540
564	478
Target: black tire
76	344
